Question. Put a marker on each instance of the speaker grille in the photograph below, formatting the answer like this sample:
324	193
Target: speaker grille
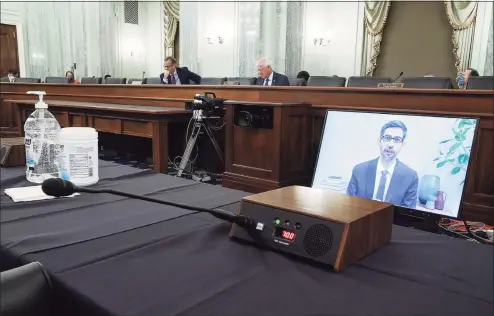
318	240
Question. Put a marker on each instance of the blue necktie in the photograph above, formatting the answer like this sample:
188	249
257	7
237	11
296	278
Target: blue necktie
382	184
266	82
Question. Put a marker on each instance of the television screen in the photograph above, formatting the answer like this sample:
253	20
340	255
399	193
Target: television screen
412	161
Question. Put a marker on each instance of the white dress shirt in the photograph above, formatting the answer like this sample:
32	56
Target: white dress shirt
380	168
177	80
270	80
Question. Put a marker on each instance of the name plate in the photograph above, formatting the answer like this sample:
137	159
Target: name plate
390	85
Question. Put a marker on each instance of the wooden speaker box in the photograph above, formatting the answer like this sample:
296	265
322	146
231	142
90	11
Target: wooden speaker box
320	225
268	145
12	152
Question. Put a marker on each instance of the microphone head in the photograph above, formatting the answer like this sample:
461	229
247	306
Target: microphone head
57	187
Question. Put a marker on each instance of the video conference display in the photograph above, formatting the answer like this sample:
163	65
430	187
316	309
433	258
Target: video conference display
416	162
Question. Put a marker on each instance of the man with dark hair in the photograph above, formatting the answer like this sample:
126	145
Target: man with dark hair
386	178
463	78
177	75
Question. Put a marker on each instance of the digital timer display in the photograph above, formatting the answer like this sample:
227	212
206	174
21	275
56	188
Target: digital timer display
286	234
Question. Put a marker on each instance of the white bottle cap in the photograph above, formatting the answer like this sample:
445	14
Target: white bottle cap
40	104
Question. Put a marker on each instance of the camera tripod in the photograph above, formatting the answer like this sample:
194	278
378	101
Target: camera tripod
199	124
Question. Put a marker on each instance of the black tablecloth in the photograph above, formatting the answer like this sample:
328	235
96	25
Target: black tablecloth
114	256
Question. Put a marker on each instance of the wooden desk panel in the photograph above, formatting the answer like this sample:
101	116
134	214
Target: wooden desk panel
479	198
143	121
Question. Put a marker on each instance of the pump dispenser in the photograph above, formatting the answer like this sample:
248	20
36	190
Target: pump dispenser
40	104
41	141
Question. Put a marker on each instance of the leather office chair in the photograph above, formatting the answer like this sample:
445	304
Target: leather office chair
26	291
28	80
367	81
297	82
90	80
322	81
115	80
213	81
56	80
481	83
153	80
427	83
243	81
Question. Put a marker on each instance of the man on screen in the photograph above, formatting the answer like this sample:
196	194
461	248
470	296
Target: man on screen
386	178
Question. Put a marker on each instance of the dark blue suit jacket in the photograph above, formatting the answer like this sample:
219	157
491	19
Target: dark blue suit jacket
402	189
184	75
278	80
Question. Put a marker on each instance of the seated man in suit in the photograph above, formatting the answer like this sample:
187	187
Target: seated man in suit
177	75
267	77
386	178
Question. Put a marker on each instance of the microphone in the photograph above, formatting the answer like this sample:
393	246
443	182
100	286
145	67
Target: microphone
401	74
58	187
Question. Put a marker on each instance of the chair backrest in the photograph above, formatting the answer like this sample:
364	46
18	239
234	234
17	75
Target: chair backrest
111	80
297	81
367	81
243	81
153	80
56	80
481	83
91	80
137	80
26	291
427	83
28	80
213	81
323	81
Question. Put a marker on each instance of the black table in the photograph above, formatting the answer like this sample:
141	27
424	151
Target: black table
110	255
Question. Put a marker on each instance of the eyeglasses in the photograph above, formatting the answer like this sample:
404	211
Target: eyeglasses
388	138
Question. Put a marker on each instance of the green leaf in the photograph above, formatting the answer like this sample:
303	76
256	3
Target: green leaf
455	170
445	141
464	122
454	147
454	131
437	159
441	153
463	159
442	163
460	137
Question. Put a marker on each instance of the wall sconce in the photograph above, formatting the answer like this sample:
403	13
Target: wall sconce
321	42
215	40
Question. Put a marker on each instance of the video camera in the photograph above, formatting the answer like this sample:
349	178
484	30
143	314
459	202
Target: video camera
210	106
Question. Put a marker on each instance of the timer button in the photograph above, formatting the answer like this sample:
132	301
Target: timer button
297	226
277	221
287	223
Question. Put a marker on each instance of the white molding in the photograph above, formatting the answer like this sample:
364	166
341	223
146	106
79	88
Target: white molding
481	36
359	43
11	17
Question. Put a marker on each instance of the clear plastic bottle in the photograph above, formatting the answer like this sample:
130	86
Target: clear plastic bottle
41	141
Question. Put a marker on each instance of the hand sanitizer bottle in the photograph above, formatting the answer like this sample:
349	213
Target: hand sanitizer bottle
41	141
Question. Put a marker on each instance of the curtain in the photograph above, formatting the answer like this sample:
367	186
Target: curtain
189	35
375	15
59	34
462	16
488	57
171	16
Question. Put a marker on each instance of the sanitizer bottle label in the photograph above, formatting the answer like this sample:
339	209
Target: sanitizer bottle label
28	143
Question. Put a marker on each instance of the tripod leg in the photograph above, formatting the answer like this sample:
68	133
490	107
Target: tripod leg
214	142
190	146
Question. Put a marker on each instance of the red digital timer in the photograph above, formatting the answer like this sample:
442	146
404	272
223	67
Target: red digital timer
288	235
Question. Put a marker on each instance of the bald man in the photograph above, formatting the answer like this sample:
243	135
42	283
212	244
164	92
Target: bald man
267	77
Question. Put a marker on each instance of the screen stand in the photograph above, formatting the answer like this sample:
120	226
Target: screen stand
424	222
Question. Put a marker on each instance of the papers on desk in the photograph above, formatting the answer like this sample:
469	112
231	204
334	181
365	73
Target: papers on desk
27	194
